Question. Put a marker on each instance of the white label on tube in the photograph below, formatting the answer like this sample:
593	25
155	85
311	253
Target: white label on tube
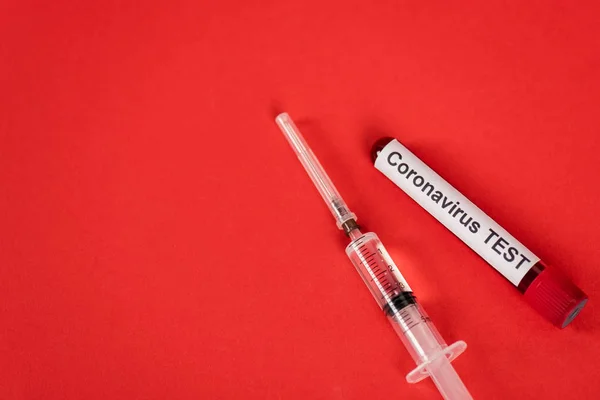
488	239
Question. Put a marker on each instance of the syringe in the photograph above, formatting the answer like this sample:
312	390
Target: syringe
387	285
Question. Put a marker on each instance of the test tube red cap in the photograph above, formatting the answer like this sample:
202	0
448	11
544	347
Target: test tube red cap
555	297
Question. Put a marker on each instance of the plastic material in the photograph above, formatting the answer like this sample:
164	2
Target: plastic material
376	268
555	297
414	327
311	164
551	294
446	379
386	283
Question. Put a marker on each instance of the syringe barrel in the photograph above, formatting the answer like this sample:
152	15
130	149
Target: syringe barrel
429	351
395	297
418	334
378	271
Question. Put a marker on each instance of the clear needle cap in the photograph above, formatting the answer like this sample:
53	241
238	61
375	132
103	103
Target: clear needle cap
311	164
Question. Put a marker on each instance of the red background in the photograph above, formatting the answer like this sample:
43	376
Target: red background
160	240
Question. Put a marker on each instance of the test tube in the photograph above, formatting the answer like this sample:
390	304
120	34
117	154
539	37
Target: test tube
549	292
